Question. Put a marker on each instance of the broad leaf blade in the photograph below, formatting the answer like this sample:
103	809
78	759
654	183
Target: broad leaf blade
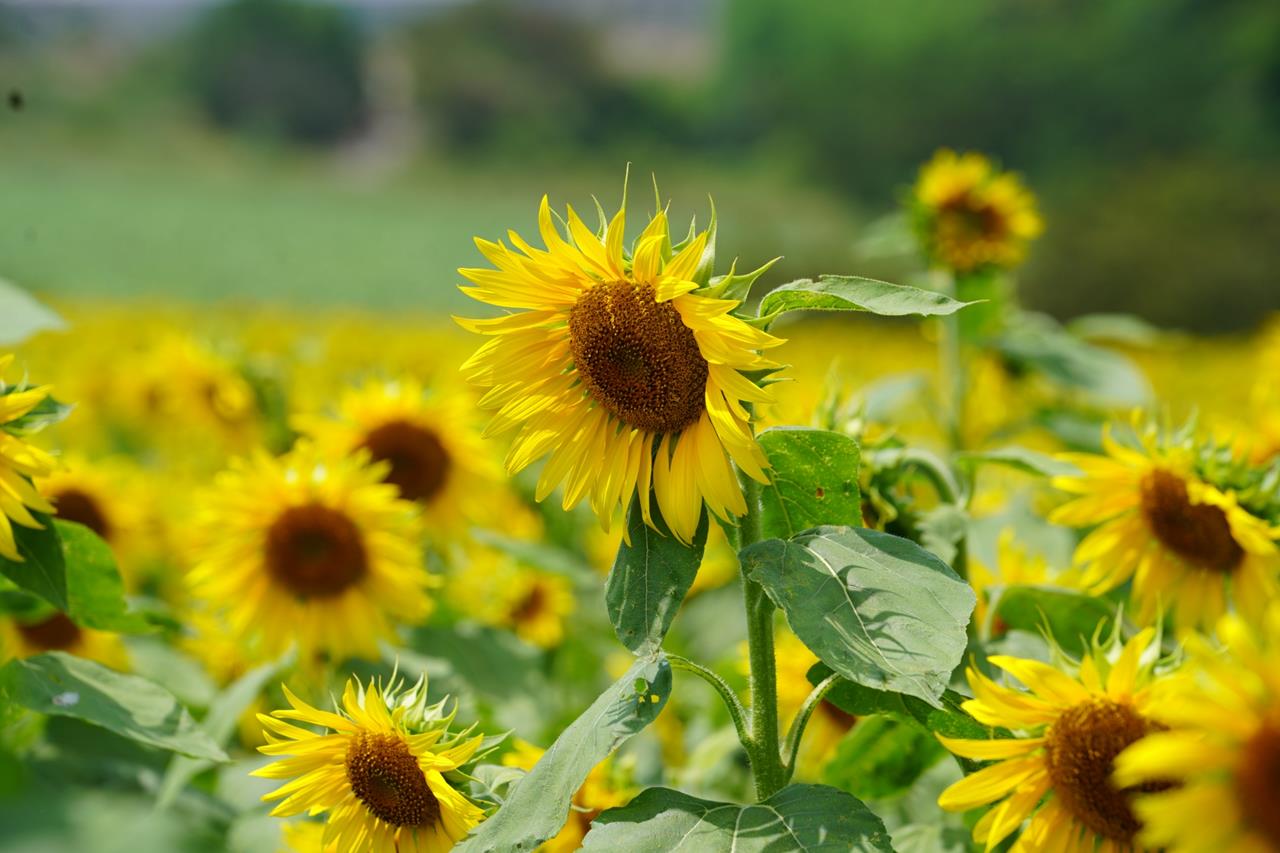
882	757
806	818
948	719
649	580
539	804
21	316
879	610
852	293
814	481
43	568
95	589
1072	618
1022	458
65	685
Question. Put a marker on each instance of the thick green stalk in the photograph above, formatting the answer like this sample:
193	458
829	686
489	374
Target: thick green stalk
765	749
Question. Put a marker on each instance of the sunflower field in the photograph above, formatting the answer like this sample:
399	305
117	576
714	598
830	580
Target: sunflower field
635	556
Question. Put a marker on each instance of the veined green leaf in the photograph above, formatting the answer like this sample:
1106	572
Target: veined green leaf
21	316
649	580
879	610
851	293
64	685
814	481
881	757
94	588
806	818
1022	458
539	804
43	569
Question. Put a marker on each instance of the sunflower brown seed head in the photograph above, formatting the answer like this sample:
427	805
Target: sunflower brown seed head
80	507
1258	783
1199	533
419	461
386	778
56	633
315	551
1080	756
637	358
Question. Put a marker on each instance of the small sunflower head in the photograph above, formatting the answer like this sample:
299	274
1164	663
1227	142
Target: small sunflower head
971	216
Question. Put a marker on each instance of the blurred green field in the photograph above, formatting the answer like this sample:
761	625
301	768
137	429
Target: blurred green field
246	223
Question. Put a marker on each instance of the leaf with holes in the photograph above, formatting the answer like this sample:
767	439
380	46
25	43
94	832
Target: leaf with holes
539	804
814	481
877	609
64	685
852	293
649	580
808	818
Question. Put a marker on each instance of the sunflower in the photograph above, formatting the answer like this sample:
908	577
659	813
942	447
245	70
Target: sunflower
22	636
306	836
972	216
607	786
1056	769
1222	748
309	547
498	591
378	771
619	370
19	463
433	456
1185	543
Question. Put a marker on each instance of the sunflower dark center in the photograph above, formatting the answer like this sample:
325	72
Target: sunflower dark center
531	605
55	633
836	715
1080	753
637	358
315	551
1199	533
386	778
968	218
419	461
80	507
1258	783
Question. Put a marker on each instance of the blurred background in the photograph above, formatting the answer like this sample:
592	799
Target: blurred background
310	153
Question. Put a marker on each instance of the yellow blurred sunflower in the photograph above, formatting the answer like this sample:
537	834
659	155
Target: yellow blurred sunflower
498	591
1186	544
971	215
20	462
1221	753
607	786
433	456
309	548
24	636
1016	565
619	371
1055	772
377	771
306	836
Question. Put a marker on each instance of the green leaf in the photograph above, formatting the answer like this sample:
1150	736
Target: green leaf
942	528
1022	458
43	568
649	579
882	757
1071	617
815	481
950	719
93	582
930	838
21	316
219	724
538	805
851	293
798	818
879	610
64	685
1039	344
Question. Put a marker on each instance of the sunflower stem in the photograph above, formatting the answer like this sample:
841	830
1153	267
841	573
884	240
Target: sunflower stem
763	748
792	746
731	700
